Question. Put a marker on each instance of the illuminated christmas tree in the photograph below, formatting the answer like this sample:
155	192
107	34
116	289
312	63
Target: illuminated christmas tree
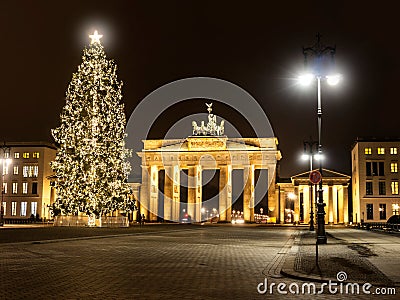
91	164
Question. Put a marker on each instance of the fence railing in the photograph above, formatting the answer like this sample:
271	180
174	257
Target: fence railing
119	221
380	226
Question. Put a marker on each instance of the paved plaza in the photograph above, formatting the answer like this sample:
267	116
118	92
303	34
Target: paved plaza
179	261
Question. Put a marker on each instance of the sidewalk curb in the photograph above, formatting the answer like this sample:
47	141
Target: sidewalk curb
288	270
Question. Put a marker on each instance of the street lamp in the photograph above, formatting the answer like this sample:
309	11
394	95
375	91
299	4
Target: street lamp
318	52
310	152
5	161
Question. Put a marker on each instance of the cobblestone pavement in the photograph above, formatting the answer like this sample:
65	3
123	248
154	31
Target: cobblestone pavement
198	262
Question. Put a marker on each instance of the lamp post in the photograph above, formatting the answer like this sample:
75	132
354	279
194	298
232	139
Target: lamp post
318	52
309	154
5	161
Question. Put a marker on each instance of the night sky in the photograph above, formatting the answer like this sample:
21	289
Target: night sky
256	45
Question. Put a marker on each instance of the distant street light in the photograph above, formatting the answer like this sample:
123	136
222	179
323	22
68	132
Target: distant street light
318	52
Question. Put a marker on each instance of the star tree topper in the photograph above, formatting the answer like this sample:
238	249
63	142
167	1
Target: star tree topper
95	37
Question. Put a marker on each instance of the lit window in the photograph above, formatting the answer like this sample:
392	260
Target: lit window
393	150
16	155
33	208
24	188
35	154
25	171
5	187
6	155
368	150
395	187
15	187
381	150
5	170
34	188
393	167
15	170
23	209
26	155
35	171
4	208
14	208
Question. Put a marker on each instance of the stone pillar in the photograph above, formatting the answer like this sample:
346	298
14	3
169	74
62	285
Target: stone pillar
330	205
199	181
345	204
176	199
273	201
248	194
282	206
307	192
296	217
225	193
168	193
154	193
340	205
194	192
145	192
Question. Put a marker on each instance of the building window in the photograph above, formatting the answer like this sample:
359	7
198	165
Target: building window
25	171
6	155
33	208
370	211
23	209
393	167
15	170
381	168
368	151
393	150
16	155
395	187
4	187
381	150
35	171
35	154
14	208
25	155
382	188
34	188
15	187
375	168
368	188
382	211
30	171
5	169
4	208
24	188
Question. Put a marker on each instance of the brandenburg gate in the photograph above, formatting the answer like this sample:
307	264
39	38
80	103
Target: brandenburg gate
207	149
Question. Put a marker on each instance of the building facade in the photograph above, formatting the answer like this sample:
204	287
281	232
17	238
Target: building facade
375	179
297	197
25	180
177	160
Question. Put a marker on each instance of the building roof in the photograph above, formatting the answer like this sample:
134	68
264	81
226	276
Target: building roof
327	174
30	144
374	139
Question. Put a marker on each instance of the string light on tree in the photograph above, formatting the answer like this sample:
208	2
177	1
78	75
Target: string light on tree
91	164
